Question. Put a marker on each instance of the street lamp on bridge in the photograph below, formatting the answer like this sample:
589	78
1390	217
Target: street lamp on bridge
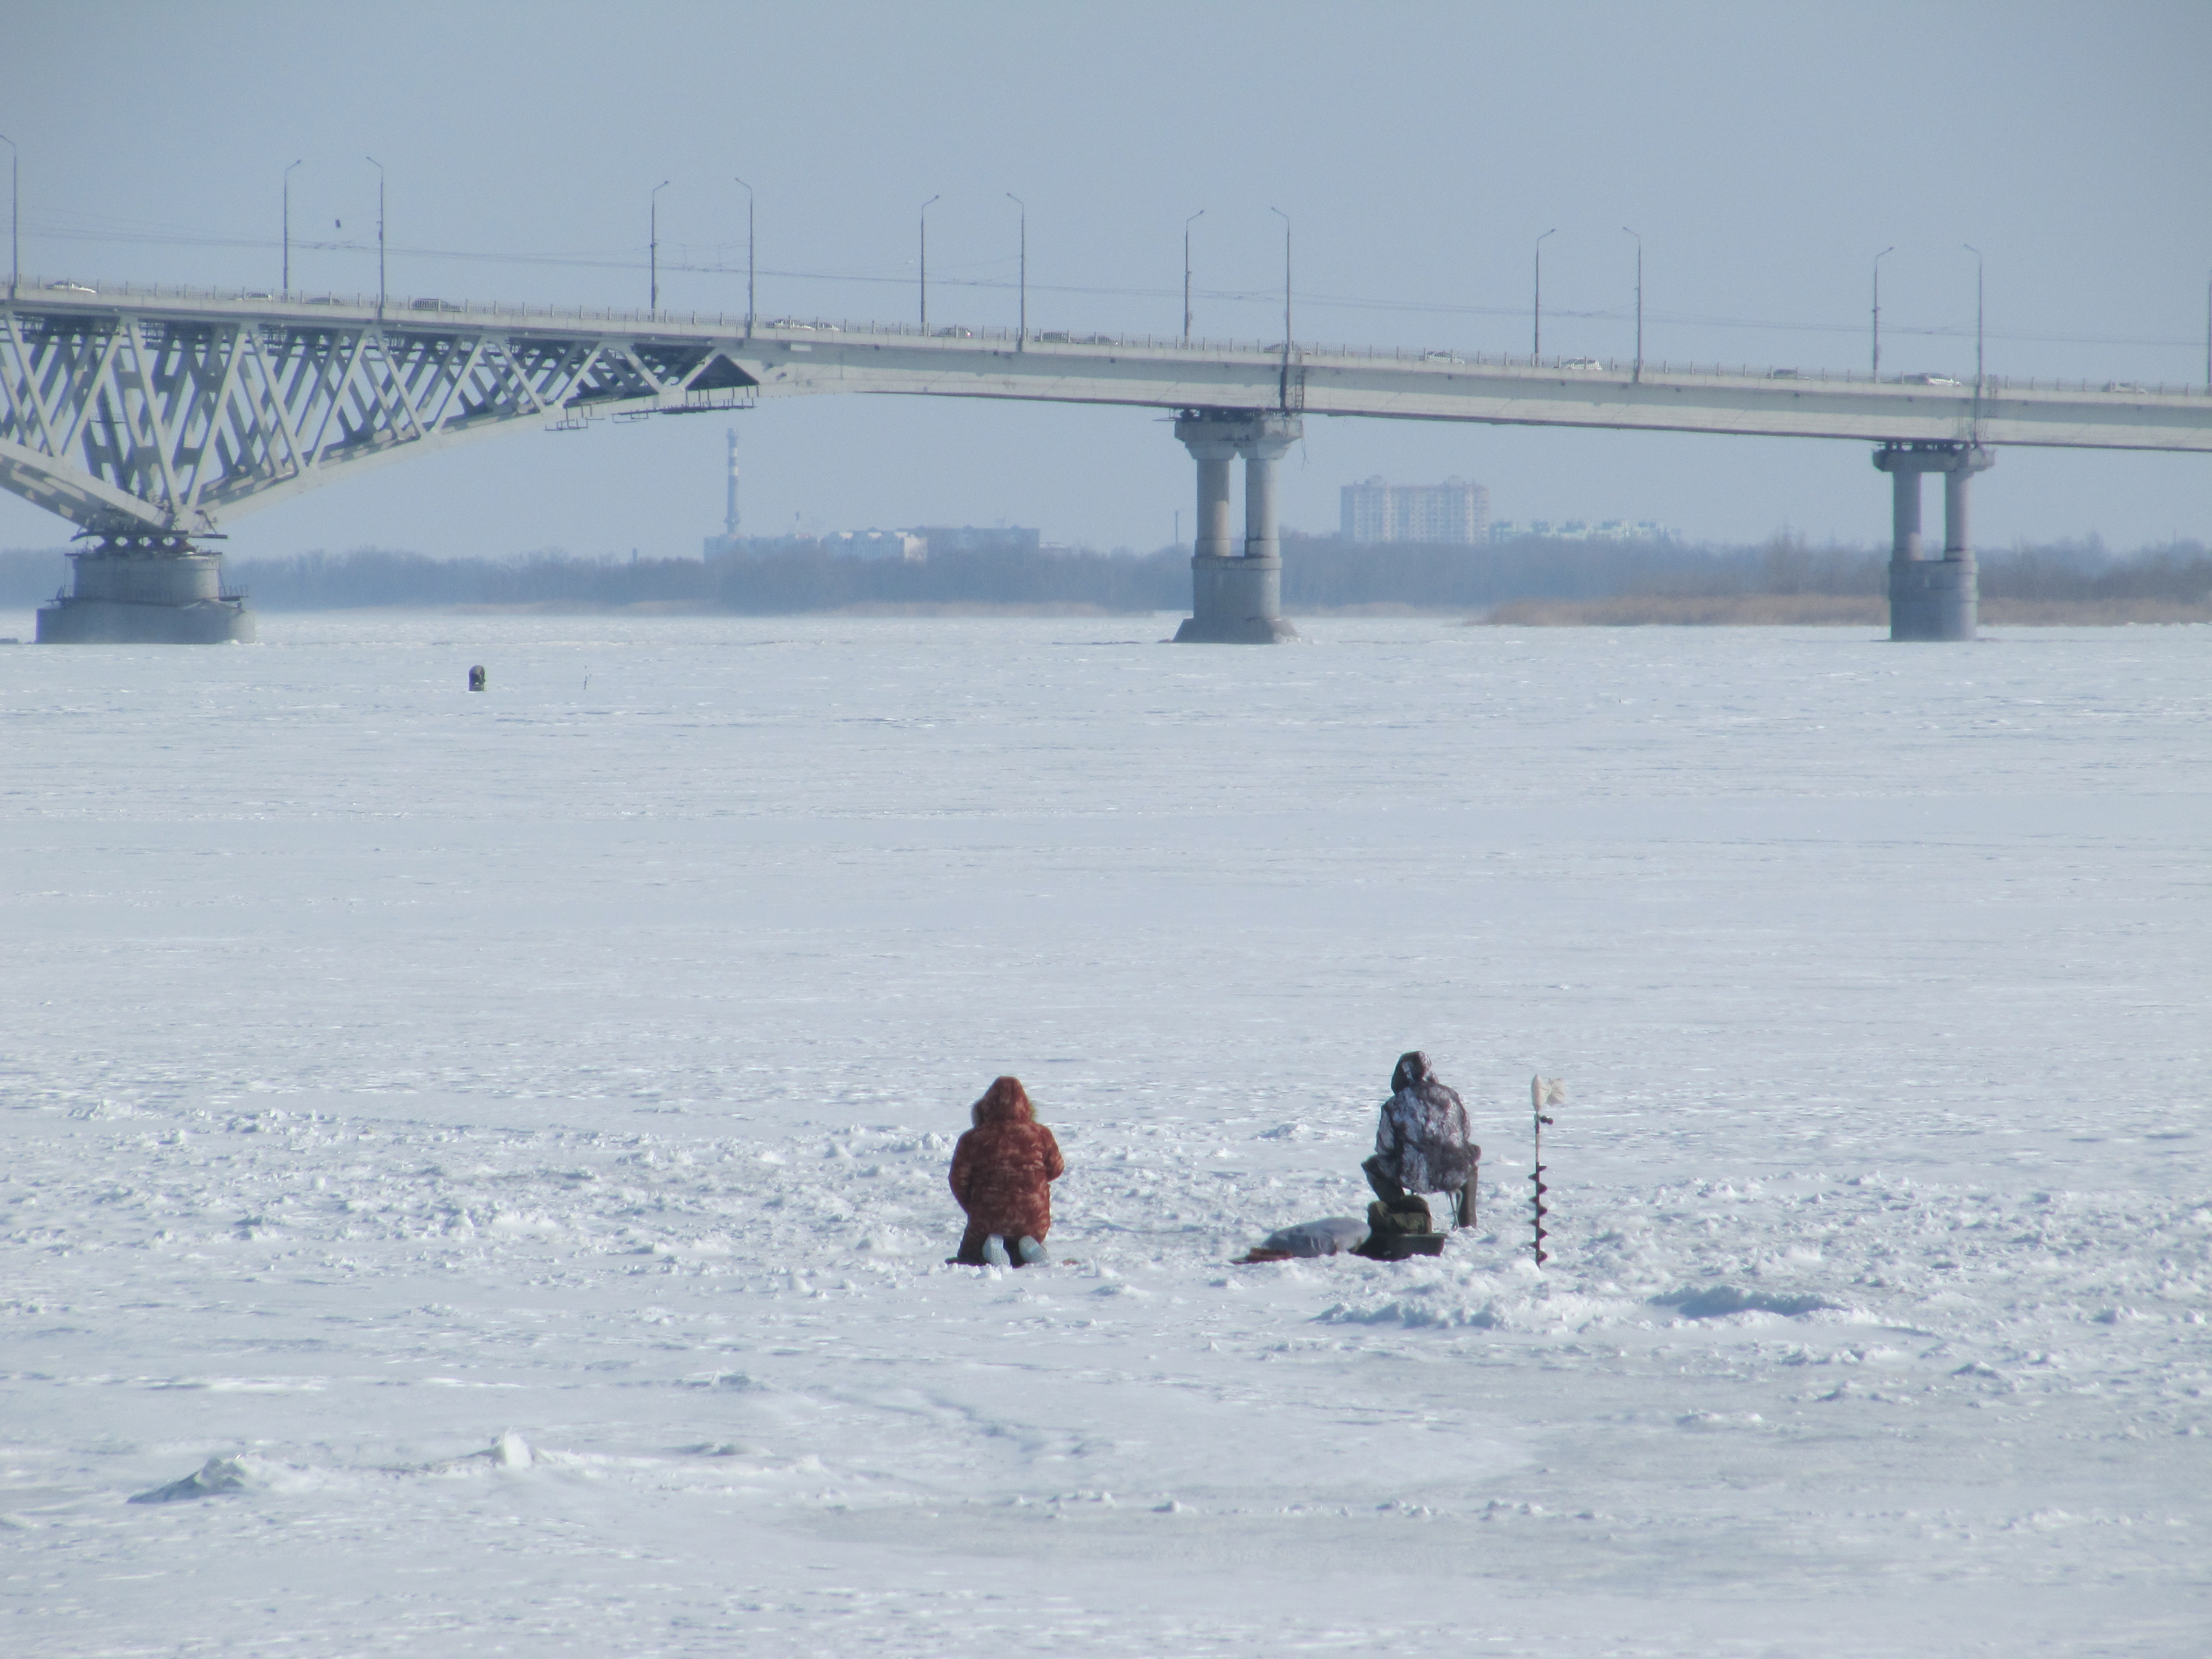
379	166
1976	252
1878	258
15	247
286	286
1285	398
652	244
1536	345
1639	304
1022	339
1187	224
924	215
748	189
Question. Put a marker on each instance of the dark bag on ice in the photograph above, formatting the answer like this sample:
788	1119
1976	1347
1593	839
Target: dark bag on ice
1398	1230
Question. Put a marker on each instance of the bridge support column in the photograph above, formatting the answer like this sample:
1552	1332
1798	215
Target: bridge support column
1236	597
1904	517
1213	453
1932	599
145	587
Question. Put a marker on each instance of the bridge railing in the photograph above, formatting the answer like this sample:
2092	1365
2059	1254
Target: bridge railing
415	309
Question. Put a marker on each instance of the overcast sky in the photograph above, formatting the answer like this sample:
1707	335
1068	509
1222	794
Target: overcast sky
1766	152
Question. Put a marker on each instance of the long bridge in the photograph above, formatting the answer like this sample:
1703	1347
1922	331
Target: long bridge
150	416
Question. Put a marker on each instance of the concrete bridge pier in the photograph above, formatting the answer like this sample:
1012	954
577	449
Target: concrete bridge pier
1932	599
1237	596
137	586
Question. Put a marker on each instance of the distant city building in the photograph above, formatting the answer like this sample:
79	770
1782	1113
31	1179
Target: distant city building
1581	530
974	539
1455	510
912	546
876	545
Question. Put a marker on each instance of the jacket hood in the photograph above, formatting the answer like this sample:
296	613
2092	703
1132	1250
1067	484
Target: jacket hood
1005	1101
1413	1071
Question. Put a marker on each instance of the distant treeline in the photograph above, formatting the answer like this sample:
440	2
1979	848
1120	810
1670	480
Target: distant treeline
811	581
1326	573
1319	573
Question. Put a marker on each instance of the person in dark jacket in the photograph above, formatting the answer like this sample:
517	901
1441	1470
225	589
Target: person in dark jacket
1002	1174
1422	1144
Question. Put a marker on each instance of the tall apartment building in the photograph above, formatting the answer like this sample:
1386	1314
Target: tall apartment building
1454	511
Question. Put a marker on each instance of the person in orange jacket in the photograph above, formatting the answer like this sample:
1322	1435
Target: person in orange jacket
1002	1174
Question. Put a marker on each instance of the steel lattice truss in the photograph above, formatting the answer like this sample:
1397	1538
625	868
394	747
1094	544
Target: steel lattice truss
128	421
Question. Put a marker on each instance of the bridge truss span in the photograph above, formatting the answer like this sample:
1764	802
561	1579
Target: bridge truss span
123	420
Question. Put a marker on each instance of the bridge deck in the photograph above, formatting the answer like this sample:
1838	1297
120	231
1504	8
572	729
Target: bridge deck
800	357
163	407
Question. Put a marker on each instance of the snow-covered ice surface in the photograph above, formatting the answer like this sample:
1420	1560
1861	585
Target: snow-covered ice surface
474	1166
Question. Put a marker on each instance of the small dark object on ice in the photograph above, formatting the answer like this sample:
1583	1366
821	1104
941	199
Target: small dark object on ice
1397	1247
477	678
1395	1231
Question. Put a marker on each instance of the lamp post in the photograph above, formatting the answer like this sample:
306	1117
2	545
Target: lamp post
1639	305
1284	396
924	215
1536	345
1878	258
14	245
652	243
286	286
1976	252
1022	339
748	189
379	166
1187	224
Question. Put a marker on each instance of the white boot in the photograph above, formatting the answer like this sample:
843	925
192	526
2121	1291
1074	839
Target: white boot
1031	1251
994	1252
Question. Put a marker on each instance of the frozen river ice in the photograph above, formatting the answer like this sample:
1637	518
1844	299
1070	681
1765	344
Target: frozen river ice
501	1139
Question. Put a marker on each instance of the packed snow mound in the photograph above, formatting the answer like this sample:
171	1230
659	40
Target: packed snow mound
217	1474
511	1451
1336	1235
1718	1301
1482	1302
